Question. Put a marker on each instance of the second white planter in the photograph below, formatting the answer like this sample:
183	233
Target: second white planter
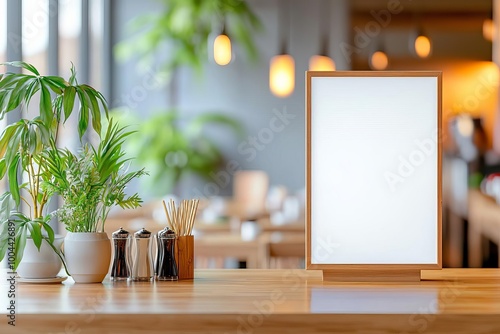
88	256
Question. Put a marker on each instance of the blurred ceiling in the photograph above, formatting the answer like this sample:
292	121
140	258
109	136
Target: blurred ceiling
436	6
454	27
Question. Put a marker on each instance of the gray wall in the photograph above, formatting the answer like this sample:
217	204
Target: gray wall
241	89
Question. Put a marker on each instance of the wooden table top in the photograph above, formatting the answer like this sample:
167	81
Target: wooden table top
262	301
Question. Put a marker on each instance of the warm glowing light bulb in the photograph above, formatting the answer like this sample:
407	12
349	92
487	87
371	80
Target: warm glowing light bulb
321	63
423	46
282	75
465	125
379	60
222	50
489	29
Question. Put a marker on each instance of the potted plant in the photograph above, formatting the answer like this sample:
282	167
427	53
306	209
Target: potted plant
23	148
90	184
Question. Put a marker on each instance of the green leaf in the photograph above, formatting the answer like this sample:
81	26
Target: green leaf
57	107
7	205
36	233
72	78
15	142
46	112
4	235
22	64
68	101
3	168
6	136
57	84
50	232
104	104
44	131
3	95
31	90
13	184
9	81
83	120
18	93
32	139
20	244
95	111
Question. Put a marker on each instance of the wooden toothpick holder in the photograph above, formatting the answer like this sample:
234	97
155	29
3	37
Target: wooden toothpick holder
184	251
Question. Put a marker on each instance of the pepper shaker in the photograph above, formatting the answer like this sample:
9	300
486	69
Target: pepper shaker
166	265
142	268
121	263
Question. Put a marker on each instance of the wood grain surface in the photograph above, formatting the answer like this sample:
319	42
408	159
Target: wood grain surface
262	301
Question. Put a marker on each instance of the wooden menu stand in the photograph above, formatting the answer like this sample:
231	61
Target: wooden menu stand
369	240
372	275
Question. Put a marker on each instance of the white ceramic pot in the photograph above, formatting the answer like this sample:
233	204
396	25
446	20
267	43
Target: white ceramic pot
40	264
88	256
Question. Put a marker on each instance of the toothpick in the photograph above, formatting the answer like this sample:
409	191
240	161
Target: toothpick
167	214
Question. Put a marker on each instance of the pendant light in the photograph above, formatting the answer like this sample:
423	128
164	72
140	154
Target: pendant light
422	45
222	48
321	61
489	29
282	66
378	59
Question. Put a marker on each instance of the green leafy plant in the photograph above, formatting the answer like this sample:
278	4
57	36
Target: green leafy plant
185	26
23	145
92	182
171	147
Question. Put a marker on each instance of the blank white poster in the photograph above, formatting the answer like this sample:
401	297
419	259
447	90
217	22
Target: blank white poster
374	170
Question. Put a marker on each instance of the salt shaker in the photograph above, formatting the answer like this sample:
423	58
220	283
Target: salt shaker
121	263
142	267
166	265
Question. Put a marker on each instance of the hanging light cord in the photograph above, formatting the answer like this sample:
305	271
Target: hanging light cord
324	26
284	25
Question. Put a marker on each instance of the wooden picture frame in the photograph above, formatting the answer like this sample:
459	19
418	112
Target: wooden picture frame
370	271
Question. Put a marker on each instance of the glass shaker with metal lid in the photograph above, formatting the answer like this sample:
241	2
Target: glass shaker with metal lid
142	267
166	265
121	262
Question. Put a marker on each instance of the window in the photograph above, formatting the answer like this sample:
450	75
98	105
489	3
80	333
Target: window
70	29
35	31
3	48
78	43
3	29
35	40
96	42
